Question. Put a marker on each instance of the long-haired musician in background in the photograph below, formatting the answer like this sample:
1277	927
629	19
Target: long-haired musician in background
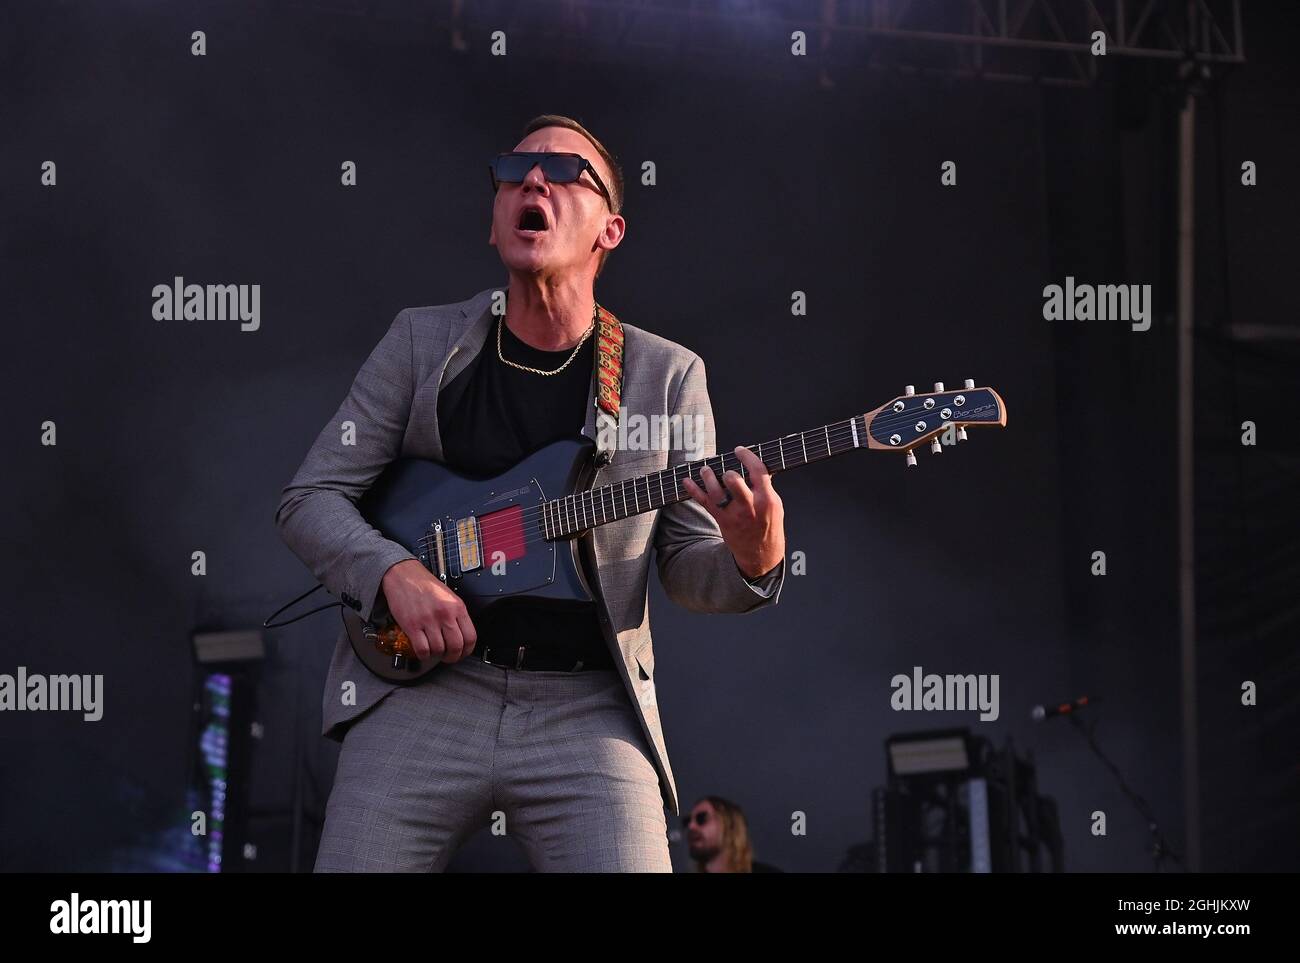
717	835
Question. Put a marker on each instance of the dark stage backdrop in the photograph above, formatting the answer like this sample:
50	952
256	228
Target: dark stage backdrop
177	436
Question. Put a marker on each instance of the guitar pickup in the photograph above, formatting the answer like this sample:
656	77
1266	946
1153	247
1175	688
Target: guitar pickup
471	551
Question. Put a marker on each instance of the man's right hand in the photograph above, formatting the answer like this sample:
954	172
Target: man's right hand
433	616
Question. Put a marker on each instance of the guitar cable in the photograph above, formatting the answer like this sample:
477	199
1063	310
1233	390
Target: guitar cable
268	624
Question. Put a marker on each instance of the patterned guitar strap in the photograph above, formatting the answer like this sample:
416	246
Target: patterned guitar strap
609	383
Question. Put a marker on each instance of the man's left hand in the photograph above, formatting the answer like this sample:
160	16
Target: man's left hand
752	520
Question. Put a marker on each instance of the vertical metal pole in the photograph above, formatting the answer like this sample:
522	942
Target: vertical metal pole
1186	528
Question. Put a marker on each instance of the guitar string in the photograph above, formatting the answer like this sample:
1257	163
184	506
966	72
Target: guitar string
618	489
841	433
562	506
583	506
532	537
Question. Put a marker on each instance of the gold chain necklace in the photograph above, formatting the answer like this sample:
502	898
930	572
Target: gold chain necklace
576	348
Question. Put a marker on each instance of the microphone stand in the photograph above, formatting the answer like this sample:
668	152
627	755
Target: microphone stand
1160	848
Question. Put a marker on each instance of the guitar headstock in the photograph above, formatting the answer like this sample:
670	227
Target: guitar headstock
939	417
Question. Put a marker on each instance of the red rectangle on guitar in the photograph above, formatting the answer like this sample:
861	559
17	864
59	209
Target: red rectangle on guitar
502	532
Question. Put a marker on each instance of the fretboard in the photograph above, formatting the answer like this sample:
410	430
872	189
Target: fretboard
563	517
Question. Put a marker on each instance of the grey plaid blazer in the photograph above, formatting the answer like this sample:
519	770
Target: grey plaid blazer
393	404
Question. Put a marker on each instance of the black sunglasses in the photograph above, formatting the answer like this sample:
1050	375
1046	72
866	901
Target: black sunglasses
700	819
513	167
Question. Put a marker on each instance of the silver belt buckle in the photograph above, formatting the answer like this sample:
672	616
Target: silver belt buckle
519	657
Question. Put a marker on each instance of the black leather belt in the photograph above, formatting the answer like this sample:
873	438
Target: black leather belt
540	658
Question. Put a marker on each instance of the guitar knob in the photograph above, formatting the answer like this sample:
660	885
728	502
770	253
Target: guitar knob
938	386
935	447
961	434
910	390
911	458
970	382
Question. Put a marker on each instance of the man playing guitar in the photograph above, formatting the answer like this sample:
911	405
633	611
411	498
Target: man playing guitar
541	720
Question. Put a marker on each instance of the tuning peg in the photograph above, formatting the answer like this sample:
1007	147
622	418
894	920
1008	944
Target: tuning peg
911	458
910	390
970	383
935	447
961	434
938	386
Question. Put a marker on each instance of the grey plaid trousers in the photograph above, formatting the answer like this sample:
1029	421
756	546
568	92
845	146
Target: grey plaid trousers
557	757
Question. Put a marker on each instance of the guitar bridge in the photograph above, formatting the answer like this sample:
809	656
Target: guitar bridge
439	552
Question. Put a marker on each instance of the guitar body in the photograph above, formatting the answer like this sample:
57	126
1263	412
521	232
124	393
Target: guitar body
483	537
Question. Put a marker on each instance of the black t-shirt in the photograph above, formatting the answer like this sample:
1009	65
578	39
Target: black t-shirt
489	417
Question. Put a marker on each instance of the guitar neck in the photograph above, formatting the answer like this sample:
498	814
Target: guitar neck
563	517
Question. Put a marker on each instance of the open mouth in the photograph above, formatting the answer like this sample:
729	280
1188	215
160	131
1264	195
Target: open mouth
532	221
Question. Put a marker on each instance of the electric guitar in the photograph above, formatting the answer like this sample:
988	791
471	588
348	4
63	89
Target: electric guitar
517	535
